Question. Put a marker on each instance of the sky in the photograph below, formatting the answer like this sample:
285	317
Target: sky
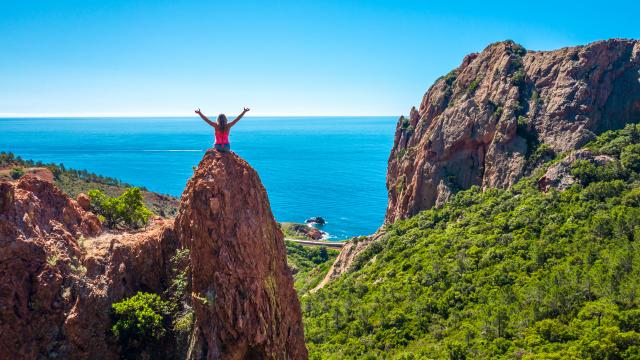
324	57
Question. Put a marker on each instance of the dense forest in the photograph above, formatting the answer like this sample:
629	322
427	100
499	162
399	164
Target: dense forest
515	273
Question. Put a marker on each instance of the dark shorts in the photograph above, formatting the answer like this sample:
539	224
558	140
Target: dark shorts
223	147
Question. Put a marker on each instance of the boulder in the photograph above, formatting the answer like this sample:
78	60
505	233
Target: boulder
84	201
318	220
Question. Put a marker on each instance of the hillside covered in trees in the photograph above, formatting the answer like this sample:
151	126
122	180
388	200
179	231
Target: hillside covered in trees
515	273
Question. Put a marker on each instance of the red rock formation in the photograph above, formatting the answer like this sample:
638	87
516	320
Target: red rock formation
58	280
84	201
479	124
33	208
38	230
314	234
243	296
59	275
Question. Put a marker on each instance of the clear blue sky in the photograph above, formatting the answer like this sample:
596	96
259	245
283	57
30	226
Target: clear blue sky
279	57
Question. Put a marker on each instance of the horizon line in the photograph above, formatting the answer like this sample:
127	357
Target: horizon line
166	115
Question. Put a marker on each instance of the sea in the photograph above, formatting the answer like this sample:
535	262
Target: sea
333	167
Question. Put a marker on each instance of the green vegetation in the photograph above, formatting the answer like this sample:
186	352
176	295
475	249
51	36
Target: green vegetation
451	77
72	182
630	157
179	275
474	85
126	210
140	321
498	112
516	48
499	274
449	80
517	78
293	230
535	97
147	322
407	129
541	154
309	263
536	152
17	173
178	294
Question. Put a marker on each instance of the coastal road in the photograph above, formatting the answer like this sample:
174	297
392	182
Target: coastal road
329	244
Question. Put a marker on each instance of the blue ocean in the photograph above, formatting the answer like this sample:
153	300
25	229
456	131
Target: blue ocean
333	167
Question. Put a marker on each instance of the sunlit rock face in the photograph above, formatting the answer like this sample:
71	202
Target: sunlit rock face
244	300
481	123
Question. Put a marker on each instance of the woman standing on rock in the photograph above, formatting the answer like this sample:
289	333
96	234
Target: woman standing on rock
222	129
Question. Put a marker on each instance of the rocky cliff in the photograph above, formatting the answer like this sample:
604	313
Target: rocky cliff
244	301
60	272
491	120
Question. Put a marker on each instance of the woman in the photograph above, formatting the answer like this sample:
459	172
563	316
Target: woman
222	129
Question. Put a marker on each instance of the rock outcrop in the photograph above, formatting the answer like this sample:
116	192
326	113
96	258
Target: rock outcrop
59	275
84	201
38	230
244	301
484	123
60	272
558	175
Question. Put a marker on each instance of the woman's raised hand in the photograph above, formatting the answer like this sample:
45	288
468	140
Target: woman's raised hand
246	109
198	111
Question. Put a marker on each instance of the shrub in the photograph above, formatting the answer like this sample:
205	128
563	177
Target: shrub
588	172
542	153
516	48
180	275
450	78
630	157
552	330
474	85
518	78
125	210
140	320
17	173
184	322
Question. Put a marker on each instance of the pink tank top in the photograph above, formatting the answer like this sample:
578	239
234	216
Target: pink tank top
222	137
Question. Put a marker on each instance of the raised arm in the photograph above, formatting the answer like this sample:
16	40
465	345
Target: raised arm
238	117
206	119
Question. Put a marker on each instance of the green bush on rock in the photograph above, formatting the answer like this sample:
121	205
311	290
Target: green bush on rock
140	320
17	173
126	210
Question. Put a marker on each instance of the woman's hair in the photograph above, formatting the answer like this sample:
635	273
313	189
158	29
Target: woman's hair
222	122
